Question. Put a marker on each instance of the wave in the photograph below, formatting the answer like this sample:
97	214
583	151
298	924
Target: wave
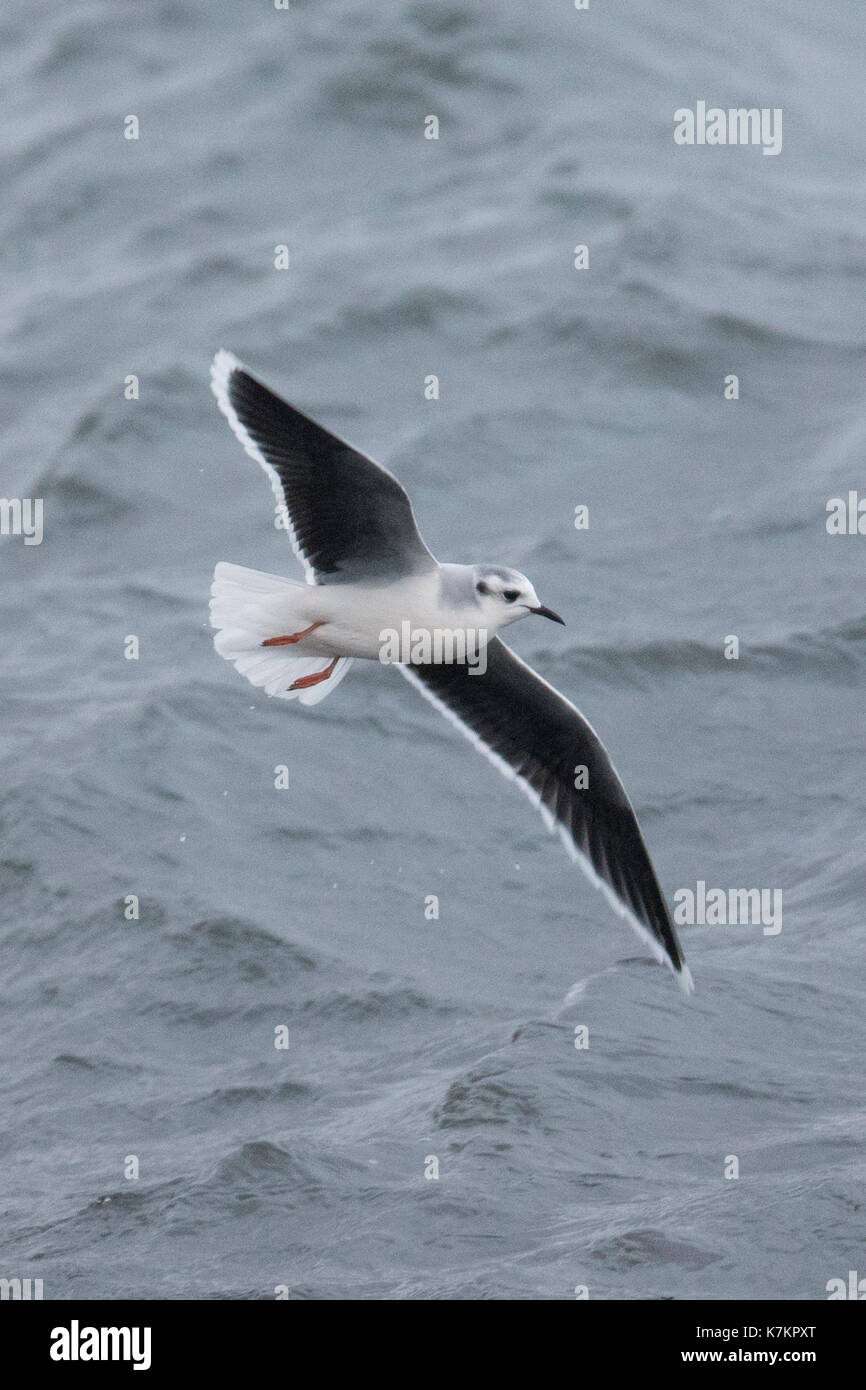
835	652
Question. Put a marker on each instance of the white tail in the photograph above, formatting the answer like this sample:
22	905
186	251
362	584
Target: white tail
249	606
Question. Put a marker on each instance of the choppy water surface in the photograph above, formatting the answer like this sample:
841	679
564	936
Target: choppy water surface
412	1039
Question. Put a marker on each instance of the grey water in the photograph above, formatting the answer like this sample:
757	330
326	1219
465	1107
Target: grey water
432	1130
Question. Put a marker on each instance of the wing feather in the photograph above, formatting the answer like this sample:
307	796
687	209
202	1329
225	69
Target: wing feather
348	519
538	738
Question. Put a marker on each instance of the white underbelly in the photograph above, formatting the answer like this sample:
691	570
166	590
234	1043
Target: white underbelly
366	622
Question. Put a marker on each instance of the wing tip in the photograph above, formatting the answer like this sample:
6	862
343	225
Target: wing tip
685	980
221	368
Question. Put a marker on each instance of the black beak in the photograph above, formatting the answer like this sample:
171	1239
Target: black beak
548	613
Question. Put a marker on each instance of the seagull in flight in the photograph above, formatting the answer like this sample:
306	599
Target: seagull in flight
368	572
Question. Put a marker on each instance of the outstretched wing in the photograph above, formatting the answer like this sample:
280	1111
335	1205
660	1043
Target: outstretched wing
537	737
348	519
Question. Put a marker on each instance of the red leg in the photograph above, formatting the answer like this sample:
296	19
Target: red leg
295	637
304	682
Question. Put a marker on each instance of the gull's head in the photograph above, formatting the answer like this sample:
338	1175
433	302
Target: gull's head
505	596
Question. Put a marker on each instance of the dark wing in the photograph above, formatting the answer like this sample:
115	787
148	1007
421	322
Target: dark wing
537	737
347	518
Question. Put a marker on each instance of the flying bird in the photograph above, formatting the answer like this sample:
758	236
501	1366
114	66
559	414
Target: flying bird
368	572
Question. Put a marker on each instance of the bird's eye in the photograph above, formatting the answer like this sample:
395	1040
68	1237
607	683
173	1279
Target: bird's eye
482	588
510	595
